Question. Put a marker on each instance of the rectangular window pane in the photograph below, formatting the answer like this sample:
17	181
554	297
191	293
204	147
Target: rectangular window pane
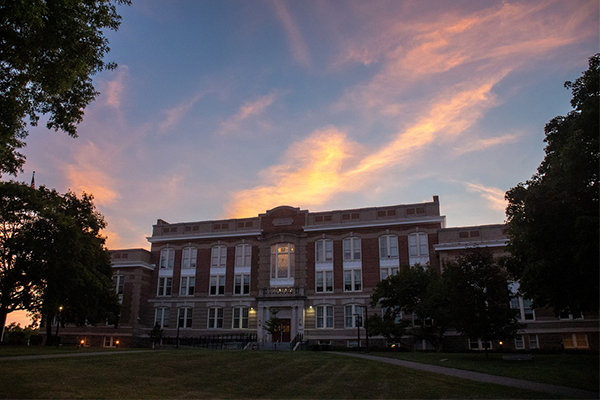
329	317
245	318
356	248
347	281
246	279
319	316
329	281
319	277
237	284
236	318
191	285
319	251
347	250
348	316
357	279
329	250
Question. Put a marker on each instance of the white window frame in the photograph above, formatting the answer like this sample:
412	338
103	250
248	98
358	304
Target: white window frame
240	318
218	256
217	285
523	306
215	318
241	284
349	315
388	247
243	255
324	251
386	272
161	317
109	341
167	258
352	248
165	286
187	286
324	317
519	342
534	342
184	317
418	248
119	283
281	254
479	344
353	277
323	281
188	257
575	342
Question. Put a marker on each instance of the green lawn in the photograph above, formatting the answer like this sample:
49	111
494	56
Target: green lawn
232	374
572	370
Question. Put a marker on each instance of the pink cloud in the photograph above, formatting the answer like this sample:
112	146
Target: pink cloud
296	41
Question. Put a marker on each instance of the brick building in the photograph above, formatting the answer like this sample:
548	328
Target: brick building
314	270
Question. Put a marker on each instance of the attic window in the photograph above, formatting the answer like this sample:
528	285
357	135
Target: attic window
345	216
420	210
355	215
240	224
319	218
327	218
474	233
410	211
381	213
463	235
174	229
248	224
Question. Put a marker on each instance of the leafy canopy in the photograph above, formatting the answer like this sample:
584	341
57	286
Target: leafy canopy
48	53
52	255
553	217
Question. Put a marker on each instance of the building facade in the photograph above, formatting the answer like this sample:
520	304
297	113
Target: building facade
313	271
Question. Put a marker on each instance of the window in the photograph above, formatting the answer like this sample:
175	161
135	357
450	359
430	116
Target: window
185	317
418	248
352	280
218	256
215	318
188	257
282	261
240	318
386	272
111	341
353	316
477	344
417	245
217	285
519	343
388	246
533	342
243	255
167	258
575	341
164	286
324	250
522	309
161	317
324	281
387	314
119	283
351	249
188	284
241	284
324	317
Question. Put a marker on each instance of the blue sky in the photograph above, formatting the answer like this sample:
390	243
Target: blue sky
229	108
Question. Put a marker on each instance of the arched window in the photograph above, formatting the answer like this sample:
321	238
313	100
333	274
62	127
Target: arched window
282	261
352	249
167	258
324	250
218	257
188	257
388	246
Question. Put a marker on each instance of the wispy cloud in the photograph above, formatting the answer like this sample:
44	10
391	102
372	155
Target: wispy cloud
493	196
296	40
248	109
482	144
174	115
114	88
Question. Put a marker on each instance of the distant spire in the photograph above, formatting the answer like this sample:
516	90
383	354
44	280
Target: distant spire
33	180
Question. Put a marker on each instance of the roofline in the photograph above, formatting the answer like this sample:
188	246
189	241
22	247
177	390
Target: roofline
466	245
441	218
134	265
211	235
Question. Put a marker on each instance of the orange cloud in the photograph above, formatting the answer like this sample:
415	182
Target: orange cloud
297	44
482	144
494	196
311	173
92	182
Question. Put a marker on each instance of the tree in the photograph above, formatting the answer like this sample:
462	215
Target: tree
413	290
553	217
54	257
49	51
273	324
480	296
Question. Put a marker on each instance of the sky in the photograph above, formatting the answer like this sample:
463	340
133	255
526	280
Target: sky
225	109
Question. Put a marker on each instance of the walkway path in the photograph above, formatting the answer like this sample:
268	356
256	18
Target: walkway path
477	376
64	355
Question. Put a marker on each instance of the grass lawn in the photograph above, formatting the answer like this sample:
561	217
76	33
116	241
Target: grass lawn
572	370
233	374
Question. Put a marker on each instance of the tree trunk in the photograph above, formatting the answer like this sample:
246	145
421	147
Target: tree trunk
49	337
3	314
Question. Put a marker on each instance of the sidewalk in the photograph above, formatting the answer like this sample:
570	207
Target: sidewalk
479	377
64	355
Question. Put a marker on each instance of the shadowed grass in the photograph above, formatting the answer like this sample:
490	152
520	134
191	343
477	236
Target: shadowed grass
572	370
233	374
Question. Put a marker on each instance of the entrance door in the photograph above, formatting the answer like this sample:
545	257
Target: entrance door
284	334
